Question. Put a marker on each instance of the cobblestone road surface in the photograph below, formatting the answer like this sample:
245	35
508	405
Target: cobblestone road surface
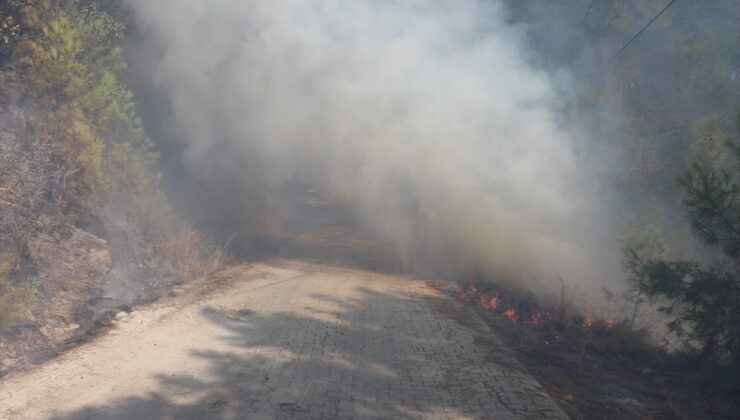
289	340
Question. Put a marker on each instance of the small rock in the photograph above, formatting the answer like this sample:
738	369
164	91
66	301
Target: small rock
7	362
74	327
647	371
27	317
43	331
101	242
121	315
630	404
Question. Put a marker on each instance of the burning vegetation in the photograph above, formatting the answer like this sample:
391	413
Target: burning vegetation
600	365
134	136
508	308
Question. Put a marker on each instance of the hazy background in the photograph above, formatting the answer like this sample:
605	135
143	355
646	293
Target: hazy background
454	131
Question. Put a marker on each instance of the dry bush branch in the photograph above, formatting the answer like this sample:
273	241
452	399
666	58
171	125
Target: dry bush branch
193	255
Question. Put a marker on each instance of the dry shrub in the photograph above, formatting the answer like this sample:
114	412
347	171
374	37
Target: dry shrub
192	254
16	295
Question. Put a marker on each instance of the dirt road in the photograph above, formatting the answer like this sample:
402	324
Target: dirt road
287	340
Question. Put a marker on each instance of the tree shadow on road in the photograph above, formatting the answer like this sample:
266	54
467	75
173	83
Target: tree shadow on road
362	357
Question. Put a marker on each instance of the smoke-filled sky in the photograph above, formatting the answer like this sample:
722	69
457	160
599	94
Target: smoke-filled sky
425	116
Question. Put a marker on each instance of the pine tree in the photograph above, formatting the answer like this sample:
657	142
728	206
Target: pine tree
73	65
703	299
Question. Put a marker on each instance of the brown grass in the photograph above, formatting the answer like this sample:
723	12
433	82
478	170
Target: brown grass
194	255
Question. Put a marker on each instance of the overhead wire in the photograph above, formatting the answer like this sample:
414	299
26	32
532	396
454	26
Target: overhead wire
642	30
590	6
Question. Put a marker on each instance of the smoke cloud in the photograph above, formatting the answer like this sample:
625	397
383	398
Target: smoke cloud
425	117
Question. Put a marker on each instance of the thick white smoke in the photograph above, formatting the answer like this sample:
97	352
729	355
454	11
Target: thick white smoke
425	114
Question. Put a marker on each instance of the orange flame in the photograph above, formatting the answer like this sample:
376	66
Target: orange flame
588	322
472	288
490	303
511	314
536	319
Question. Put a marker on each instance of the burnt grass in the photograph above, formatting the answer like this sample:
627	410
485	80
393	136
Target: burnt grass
597	369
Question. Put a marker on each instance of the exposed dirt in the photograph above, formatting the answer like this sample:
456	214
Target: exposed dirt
84	281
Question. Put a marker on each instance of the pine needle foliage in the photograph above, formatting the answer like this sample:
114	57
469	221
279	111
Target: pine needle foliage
74	70
702	297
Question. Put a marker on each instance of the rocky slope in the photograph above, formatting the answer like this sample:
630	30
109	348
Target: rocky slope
81	279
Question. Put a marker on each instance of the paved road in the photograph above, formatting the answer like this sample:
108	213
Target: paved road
288	340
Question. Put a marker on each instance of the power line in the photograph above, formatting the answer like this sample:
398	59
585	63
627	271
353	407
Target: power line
642	30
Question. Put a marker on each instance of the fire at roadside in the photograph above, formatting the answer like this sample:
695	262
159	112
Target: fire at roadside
597	368
523	311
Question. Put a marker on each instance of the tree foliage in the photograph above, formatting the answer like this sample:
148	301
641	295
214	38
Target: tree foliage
72	146
703	299
73	66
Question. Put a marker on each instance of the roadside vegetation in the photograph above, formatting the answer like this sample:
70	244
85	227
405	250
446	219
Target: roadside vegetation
79	180
617	365
72	143
84	229
700	296
15	294
667	346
